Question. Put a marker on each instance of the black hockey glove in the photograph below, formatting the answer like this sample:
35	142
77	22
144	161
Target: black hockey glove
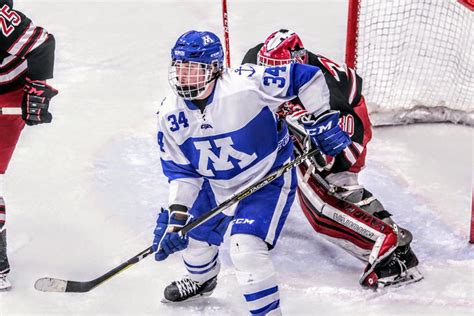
35	103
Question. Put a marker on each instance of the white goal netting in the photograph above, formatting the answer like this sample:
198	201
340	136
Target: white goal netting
417	60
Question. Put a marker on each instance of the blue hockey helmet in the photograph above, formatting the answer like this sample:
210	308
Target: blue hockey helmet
203	47
197	59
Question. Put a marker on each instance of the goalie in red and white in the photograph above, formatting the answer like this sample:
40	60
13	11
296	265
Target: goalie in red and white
332	199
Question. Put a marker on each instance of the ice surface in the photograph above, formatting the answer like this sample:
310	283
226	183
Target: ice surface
83	193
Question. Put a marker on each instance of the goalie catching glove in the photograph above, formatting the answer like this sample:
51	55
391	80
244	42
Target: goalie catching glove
167	239
35	103
326	133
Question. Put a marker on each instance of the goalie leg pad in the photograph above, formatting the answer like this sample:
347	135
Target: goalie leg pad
349	222
255	274
356	229
348	189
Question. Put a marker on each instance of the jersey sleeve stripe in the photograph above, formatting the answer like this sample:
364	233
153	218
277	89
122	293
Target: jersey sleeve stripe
13	74
38	41
11	49
31	41
300	75
352	79
22	40
11	62
7	62
349	155
175	171
358	147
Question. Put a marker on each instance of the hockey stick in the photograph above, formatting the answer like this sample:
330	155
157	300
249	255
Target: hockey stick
225	23
59	285
10	111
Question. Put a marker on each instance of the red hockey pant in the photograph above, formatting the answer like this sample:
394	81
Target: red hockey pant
10	127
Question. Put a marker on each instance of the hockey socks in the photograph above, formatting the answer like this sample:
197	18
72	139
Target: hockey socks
255	274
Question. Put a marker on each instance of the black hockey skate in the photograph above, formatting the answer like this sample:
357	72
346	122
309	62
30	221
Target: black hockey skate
187	289
397	270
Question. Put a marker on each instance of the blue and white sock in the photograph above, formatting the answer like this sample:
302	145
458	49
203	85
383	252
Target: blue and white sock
255	274
201	260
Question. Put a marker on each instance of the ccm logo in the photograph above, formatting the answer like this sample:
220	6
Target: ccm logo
323	128
244	221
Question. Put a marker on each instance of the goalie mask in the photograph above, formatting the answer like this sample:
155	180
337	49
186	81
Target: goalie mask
282	47
196	61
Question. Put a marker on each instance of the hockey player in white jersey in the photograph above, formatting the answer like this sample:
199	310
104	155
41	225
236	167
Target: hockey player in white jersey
219	133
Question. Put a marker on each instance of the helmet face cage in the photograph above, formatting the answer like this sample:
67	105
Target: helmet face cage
196	60
281	48
190	79
296	57
267	61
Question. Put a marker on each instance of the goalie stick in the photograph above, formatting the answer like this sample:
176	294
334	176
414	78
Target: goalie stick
59	285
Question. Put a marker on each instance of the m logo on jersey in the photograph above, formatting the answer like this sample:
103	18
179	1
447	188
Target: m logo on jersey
220	162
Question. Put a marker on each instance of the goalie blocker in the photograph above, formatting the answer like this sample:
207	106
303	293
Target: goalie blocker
361	227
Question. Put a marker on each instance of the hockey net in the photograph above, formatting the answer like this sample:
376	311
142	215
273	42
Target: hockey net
416	59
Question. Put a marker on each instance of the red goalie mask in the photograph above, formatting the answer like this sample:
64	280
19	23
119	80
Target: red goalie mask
282	47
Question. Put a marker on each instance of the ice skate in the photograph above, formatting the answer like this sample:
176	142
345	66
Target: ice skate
398	270
187	289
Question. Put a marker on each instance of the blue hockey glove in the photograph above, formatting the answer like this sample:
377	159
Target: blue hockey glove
167	240
326	133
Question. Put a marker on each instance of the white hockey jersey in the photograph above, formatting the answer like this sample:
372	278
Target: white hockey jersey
236	140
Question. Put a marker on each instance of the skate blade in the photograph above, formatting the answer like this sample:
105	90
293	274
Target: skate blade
412	275
191	299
